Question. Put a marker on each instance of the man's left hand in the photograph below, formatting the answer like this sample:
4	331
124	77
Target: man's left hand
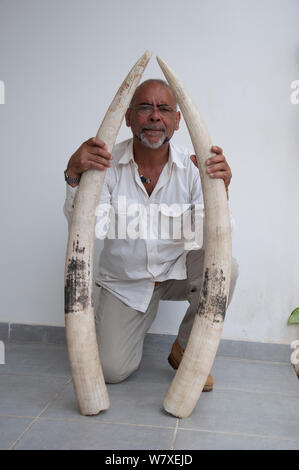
217	166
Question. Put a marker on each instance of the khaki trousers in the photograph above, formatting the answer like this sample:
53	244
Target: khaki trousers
121	329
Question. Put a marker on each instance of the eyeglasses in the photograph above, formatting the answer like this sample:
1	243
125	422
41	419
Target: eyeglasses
148	109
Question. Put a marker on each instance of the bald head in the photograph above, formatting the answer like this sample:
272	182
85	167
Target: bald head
152	81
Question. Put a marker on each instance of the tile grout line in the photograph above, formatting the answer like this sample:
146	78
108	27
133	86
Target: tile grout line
228	433
177	427
260	392
259	361
174	434
38	416
235	358
16	416
86	420
38	374
242	434
98	422
216	388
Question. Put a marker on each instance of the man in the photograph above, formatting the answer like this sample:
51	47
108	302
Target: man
137	272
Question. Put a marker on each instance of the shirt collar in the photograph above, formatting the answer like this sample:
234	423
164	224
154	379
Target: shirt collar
128	155
174	157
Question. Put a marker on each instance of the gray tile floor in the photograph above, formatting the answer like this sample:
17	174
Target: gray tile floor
254	404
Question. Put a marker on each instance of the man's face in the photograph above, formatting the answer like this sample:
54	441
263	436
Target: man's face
152	117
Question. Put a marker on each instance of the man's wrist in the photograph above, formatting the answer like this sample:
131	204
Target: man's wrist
71	178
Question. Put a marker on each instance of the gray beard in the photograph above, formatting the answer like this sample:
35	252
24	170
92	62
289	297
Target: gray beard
153	145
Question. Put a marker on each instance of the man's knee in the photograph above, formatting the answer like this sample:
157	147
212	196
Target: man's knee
115	371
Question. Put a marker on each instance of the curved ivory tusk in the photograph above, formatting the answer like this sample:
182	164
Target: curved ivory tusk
202	346
86	370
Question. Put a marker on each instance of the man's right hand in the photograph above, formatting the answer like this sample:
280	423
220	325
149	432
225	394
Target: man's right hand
91	154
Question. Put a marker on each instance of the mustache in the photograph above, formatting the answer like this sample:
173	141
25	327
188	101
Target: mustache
153	128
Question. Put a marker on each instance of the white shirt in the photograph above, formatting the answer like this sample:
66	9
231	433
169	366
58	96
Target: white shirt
130	265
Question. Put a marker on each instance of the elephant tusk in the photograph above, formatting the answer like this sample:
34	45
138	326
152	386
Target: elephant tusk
85	364
185	389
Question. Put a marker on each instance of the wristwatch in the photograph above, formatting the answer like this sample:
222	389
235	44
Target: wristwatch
70	180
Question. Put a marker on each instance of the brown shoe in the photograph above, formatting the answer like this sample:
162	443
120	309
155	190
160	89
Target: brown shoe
175	358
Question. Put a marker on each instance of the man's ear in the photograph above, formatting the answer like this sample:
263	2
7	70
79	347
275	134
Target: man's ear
178	118
128	117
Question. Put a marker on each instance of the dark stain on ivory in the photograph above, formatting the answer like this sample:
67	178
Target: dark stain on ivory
212	296
76	291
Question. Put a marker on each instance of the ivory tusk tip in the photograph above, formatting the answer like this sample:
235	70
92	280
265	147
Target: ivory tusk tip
164	67
147	55
161	62
144	59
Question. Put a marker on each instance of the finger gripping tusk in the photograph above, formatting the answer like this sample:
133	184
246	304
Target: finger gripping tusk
199	355
86	370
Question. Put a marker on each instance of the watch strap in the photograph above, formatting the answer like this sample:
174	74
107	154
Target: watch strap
70	180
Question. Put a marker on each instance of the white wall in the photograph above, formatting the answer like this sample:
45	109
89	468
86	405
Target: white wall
62	61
